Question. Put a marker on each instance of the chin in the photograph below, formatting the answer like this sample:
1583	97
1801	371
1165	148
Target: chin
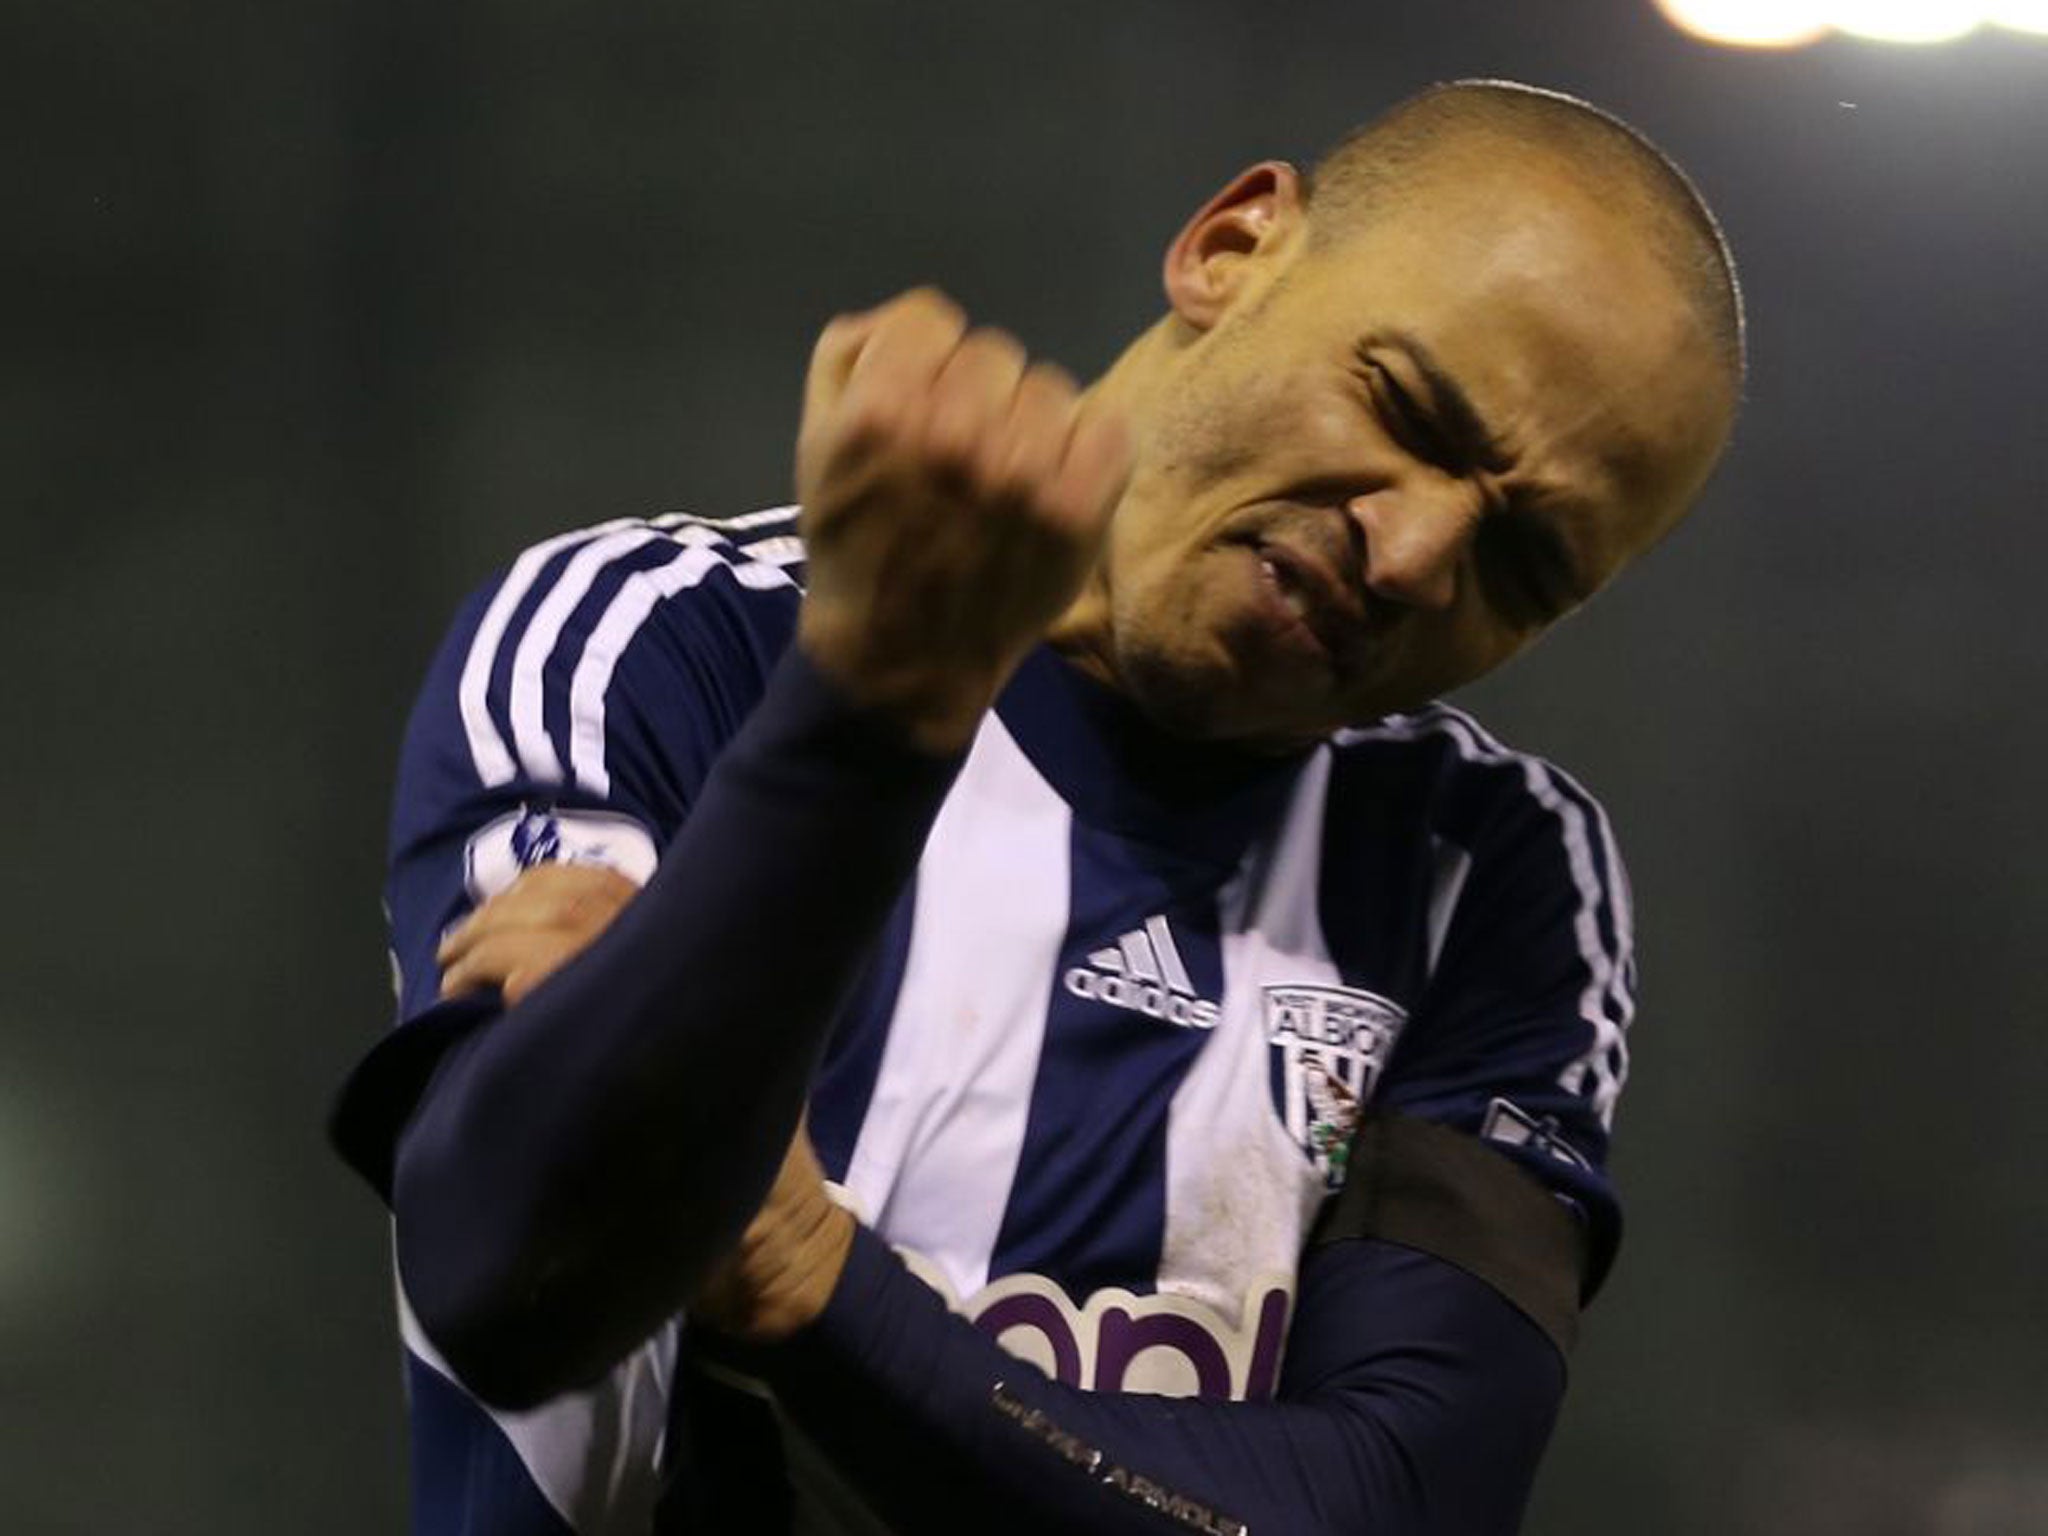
1207	699
1198	669
1175	701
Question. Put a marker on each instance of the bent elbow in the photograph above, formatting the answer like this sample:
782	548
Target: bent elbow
518	1320
503	1351
508	1368
475	1298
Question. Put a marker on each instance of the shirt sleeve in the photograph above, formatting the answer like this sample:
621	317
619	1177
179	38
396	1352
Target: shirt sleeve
571	714
1519	1039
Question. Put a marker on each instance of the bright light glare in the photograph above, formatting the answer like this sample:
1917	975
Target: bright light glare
1794	23
2020	15
1747	23
1905	21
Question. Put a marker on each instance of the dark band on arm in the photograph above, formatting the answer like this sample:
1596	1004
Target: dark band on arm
1447	1194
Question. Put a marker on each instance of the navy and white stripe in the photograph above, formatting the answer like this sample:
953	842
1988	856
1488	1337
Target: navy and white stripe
1066	1085
943	1127
1603	925
627	568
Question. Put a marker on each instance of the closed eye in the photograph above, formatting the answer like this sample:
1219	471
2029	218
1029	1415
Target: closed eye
1442	424
1525	568
1408	420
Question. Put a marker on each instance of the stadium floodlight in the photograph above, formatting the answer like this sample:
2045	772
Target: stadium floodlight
1747	23
1794	23
2019	15
1905	21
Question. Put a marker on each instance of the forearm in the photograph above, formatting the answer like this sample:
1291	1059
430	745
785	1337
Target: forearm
1415	1400
578	1162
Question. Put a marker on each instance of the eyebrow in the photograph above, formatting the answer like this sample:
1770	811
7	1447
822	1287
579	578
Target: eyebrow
1467	431
1469	436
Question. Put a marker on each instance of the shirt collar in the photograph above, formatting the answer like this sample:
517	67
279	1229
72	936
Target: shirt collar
1122	773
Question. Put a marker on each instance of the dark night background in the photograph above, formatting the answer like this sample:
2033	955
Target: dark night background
314	314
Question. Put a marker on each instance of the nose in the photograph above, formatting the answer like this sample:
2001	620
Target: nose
1416	537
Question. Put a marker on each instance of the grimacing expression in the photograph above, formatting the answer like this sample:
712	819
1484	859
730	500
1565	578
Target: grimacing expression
1391	461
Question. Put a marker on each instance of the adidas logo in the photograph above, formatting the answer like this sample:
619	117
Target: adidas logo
1144	974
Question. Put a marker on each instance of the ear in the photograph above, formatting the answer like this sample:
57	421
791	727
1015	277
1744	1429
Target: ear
1251	218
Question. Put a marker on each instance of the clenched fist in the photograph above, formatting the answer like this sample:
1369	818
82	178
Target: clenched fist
788	1262
954	497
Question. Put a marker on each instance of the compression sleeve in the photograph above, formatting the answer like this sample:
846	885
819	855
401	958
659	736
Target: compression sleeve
646	1076
1415	1399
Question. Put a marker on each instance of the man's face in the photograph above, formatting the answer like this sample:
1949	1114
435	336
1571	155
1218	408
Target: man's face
1394	460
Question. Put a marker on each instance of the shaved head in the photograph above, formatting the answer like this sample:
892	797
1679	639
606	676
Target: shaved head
1431	397
1449	130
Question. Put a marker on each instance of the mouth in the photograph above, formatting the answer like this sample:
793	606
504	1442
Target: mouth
1307	592
1284	591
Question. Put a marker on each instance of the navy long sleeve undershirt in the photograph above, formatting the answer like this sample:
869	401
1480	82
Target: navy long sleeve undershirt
646	1076
1415	1401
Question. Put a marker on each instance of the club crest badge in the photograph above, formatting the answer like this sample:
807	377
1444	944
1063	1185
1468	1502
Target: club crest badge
1326	1047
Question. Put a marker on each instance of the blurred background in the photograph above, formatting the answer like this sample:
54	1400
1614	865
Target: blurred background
316	313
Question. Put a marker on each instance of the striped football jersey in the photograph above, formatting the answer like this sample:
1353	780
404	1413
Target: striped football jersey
1101	1072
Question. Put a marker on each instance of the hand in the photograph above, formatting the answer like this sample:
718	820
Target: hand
788	1260
954	498
531	929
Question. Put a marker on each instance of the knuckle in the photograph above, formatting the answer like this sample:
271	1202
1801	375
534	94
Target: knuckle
991	345
840	338
1049	381
482	923
839	330
528	890
1017	471
930	322
589	911
495	916
931	301
953	425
